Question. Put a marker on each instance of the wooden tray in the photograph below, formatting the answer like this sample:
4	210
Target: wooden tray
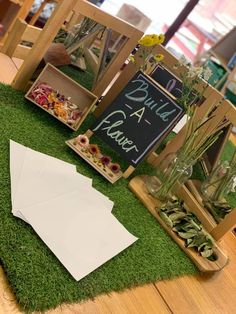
138	187
110	176
68	87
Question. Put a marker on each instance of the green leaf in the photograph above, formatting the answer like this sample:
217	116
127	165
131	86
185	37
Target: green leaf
207	253
177	216
186	235
166	219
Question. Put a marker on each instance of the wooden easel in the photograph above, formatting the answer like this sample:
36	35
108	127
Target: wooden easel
51	28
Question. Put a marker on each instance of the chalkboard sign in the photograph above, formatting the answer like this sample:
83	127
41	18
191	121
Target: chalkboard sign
138	117
167	80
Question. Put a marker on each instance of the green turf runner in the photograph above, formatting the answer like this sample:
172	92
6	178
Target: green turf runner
38	279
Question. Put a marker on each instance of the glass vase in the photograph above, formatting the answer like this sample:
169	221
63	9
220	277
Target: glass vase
219	183
171	169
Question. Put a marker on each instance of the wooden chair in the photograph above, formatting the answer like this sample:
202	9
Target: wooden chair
17	61
10	11
13	53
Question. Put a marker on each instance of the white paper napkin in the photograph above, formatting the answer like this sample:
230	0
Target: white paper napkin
82	236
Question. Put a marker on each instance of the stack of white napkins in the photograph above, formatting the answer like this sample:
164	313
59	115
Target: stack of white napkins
69	215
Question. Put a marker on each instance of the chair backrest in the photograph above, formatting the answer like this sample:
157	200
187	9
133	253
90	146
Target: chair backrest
20	33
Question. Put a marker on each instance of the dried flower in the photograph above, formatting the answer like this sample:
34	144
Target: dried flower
105	160
131	58
115	168
207	73
94	149
183	61
82	140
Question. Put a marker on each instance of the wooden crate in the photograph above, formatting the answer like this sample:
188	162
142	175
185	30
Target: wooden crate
66	86
138	187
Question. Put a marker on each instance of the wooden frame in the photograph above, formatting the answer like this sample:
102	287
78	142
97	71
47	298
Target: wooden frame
137	186
84	8
169	62
46	36
68	87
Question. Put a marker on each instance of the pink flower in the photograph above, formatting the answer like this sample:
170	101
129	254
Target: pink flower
115	168
94	149
82	140
41	100
105	160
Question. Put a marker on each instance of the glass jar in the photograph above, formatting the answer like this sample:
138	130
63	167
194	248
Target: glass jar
219	183
171	169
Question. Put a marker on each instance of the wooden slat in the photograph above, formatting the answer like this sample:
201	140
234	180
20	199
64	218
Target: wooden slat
14	37
93	12
31	33
21	52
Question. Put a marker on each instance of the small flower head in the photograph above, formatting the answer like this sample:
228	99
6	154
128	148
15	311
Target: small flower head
183	61
207	73
131	59
82	140
158	39
194	71
94	149
159	57
105	160
115	168
146	41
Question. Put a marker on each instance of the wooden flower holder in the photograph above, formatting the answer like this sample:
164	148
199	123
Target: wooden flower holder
103	170
138	187
66	86
88	157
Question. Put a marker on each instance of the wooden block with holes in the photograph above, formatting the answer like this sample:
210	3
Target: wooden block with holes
88	157
79	96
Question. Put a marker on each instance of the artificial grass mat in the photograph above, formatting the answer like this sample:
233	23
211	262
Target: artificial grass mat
38	279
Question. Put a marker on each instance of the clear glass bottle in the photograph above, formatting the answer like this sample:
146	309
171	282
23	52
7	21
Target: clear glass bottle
219	183
171	169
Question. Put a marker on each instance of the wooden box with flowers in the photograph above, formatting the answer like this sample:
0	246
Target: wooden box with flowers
61	97
93	155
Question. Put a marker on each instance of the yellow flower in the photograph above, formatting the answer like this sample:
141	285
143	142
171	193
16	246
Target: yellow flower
146	41
161	38
131	58
159	57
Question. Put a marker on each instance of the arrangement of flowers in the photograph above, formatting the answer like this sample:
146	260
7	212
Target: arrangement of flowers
57	104
190	80
93	151
187	227
146	46
198	135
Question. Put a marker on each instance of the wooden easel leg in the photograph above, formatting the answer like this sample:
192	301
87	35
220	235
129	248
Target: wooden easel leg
226	225
128	172
89	133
